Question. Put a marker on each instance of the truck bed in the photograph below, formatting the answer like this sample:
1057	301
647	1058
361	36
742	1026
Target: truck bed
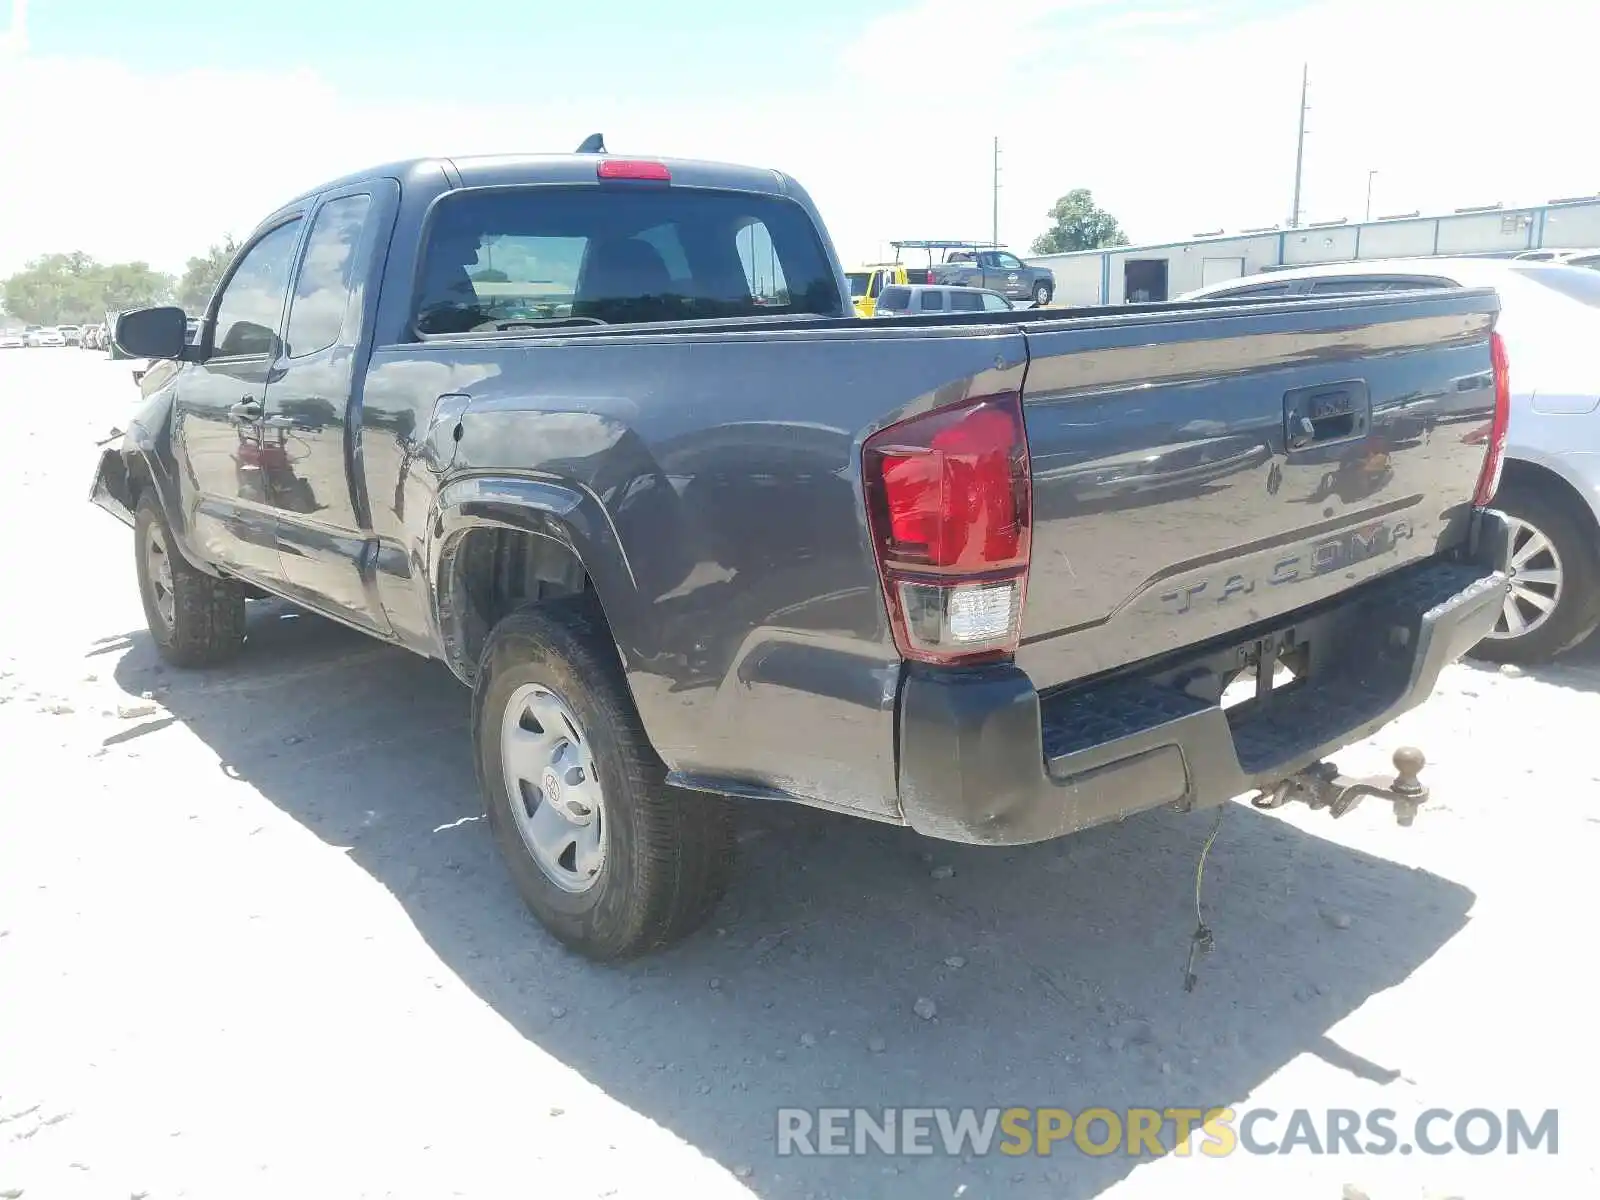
719	464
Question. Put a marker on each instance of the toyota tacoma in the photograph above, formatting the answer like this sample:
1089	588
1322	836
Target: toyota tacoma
602	435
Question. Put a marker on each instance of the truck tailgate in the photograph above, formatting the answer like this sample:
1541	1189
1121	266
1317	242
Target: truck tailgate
1211	468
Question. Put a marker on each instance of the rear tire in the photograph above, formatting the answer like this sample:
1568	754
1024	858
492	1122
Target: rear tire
1563	568
552	717
195	619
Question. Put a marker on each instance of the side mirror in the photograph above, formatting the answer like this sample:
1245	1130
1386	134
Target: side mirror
151	332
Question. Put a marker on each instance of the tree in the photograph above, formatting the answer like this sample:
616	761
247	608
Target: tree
74	288
202	274
133	285
1077	223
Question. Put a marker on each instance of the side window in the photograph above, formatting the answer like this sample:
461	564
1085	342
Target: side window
993	303
763	273
322	289
1408	284
966	301
1008	262
665	240
932	301
252	304
1347	287
1265	289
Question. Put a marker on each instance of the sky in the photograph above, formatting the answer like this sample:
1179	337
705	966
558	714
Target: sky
147	129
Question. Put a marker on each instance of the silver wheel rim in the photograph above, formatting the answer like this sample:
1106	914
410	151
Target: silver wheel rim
555	792
1536	582
158	569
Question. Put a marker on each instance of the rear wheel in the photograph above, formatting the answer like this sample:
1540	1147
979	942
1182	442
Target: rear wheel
195	619
609	858
1554	602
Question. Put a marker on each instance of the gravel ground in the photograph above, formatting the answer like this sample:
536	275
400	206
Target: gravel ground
254	940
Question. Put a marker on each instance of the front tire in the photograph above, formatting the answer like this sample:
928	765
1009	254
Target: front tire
608	857
1555	579
1041	295
195	619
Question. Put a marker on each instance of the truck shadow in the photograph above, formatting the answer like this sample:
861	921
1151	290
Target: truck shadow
1056	970
1578	668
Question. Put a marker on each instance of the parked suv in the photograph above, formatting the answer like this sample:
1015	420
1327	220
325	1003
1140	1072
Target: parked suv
922	298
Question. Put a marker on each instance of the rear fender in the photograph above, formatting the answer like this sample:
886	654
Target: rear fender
568	514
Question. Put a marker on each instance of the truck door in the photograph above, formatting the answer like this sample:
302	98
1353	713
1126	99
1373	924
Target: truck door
308	428
1007	275
217	432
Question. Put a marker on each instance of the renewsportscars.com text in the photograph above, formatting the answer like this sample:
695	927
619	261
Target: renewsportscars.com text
1155	1132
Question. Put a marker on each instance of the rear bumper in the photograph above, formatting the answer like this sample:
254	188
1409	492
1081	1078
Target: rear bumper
984	758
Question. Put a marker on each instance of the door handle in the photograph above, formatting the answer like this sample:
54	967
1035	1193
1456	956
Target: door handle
248	409
1331	413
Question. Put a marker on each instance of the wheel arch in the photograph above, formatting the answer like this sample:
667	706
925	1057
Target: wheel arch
499	543
1550	476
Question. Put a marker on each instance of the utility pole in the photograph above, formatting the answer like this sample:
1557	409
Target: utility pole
1300	147
995	229
1370	174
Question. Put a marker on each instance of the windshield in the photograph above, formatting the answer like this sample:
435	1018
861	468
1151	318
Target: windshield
1575	283
858	282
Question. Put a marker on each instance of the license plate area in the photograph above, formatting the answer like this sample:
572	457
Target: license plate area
1249	673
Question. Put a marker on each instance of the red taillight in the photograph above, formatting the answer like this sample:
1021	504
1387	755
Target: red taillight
949	504
1494	456
627	168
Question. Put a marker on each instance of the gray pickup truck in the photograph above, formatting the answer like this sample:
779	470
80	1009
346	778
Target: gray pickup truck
998	271
601	435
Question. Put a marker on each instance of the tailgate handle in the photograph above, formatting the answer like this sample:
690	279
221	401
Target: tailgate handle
1330	413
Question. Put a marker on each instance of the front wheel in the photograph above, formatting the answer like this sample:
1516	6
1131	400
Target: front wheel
195	619
1041	295
1554	601
606	855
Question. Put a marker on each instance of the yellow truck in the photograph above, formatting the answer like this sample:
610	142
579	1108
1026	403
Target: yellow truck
867	283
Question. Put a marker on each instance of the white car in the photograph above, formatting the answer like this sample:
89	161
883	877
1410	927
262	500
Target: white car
1550	316
10	339
49	335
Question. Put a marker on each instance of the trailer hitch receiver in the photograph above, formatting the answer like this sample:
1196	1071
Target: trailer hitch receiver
1320	786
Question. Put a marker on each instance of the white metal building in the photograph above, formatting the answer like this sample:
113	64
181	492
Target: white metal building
1160	272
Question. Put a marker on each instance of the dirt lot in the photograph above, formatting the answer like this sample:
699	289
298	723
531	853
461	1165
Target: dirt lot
254	940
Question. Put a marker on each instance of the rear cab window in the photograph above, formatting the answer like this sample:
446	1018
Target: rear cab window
523	256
